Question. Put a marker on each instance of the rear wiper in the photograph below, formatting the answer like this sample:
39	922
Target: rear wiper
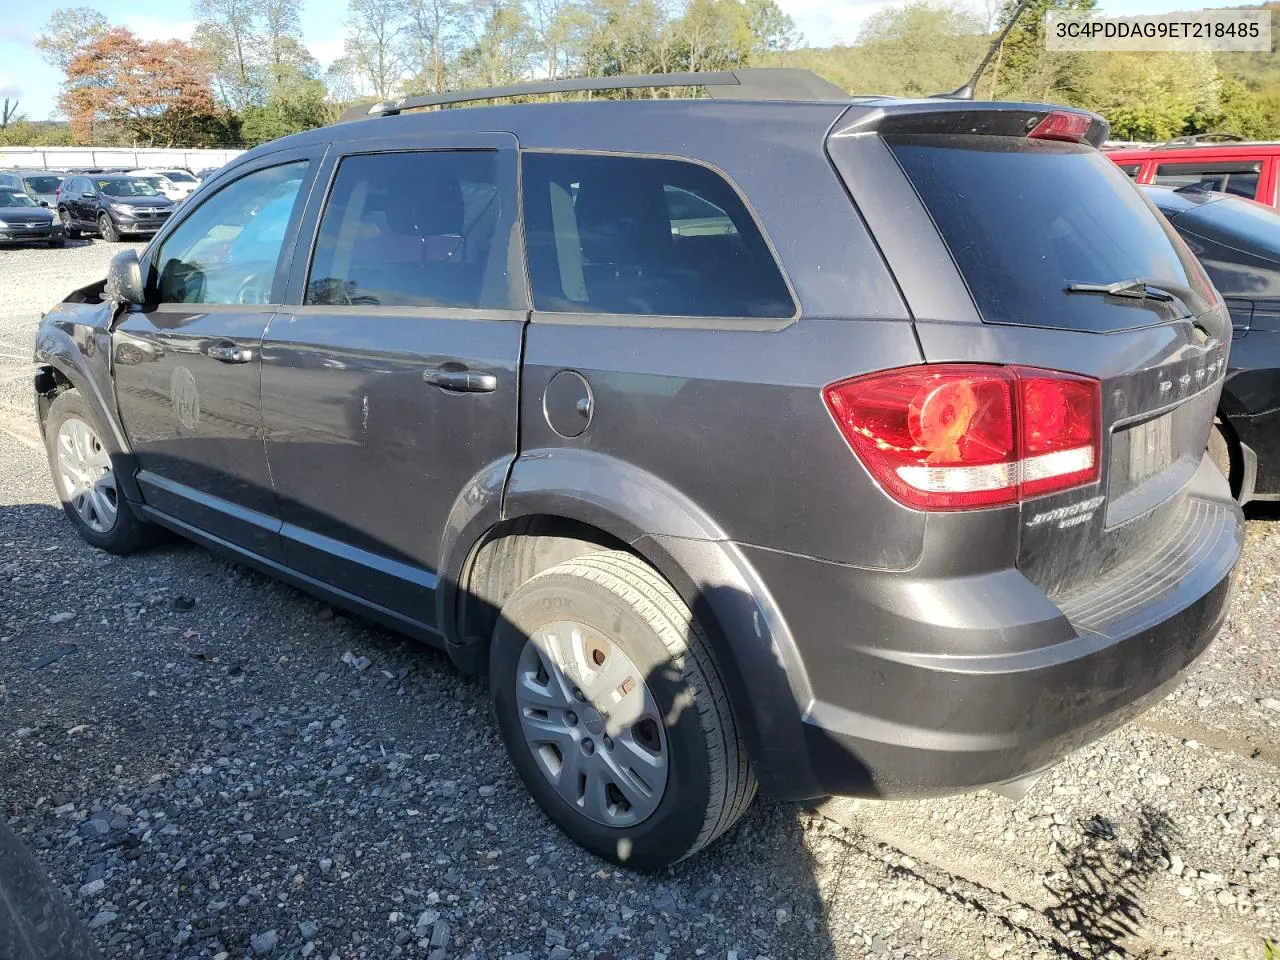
1135	289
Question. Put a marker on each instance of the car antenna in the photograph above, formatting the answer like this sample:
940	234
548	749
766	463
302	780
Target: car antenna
970	87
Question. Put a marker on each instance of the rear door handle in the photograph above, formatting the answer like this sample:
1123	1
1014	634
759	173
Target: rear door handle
230	353
461	381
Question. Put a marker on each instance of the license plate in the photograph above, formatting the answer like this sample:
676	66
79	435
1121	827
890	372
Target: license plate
1150	449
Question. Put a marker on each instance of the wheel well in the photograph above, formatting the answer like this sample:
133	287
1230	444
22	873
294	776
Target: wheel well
508	555
50	382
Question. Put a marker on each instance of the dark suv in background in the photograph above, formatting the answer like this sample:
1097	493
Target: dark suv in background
112	206
774	438
40	185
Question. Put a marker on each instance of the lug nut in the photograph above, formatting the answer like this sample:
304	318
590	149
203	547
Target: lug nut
571	718
588	747
608	742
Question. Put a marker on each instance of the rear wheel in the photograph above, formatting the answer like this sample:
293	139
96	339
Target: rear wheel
107	228
614	713
71	232
85	478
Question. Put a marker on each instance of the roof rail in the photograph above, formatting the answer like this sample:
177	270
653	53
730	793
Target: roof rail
757	83
1193	139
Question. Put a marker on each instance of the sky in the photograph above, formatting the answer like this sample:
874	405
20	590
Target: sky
23	74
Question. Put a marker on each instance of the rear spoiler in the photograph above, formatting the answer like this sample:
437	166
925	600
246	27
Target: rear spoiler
964	117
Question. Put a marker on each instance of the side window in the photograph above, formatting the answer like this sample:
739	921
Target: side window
1238	177
645	236
227	250
1130	169
414	229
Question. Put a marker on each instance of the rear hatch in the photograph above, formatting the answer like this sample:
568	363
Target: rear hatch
1016	249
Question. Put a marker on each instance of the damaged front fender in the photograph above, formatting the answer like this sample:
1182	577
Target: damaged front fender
73	349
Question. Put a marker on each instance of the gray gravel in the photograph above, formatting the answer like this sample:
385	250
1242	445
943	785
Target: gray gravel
208	767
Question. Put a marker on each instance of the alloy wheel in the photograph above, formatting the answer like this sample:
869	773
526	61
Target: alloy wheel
84	468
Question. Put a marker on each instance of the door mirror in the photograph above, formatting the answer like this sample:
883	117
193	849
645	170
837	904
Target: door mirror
44	203
124	279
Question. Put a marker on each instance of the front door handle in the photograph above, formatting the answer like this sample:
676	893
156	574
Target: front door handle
460	380
230	353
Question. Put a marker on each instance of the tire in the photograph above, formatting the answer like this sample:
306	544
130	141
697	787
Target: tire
120	533
107	228
1222	451
36	923
708	783
57	244
65	216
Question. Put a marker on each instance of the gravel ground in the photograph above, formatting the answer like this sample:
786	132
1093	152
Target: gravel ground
188	753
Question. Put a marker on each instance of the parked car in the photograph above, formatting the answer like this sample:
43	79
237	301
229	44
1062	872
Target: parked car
792	440
23	220
174	184
39	185
1238	242
1244	168
112	206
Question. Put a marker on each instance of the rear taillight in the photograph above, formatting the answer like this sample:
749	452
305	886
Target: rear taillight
958	436
1061	125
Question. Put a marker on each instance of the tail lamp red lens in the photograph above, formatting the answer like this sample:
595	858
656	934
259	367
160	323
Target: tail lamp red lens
1061	125
957	436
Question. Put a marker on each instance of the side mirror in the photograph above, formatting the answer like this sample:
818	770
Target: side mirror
44	203
124	279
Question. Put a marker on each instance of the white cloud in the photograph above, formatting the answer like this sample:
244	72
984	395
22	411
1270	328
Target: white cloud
12	33
10	88
155	28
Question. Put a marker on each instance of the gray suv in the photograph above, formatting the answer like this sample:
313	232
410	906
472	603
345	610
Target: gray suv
773	439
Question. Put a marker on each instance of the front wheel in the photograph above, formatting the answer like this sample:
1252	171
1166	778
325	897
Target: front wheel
107	228
614	713
85	478
71	232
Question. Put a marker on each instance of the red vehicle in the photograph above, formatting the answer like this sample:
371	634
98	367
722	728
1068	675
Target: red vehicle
1247	169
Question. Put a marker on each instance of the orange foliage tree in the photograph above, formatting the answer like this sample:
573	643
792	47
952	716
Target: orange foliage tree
159	92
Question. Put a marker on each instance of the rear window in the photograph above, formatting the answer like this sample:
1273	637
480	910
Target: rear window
647	236
1024	218
43	184
1238	177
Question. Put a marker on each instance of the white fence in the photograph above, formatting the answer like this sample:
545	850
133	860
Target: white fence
60	158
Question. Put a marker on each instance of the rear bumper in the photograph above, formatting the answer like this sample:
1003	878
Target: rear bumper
932	687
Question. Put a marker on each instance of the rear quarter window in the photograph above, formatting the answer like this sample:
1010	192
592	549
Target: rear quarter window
1238	177
645	236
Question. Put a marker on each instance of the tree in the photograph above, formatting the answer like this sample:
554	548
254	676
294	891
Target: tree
225	34
431	35
919	48
68	31
772	30
159	92
713	35
1025	70
375	44
9	113
502	45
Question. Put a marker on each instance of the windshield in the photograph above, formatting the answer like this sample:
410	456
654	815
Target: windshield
127	188
180	176
11	198
1024	218
159	183
43	184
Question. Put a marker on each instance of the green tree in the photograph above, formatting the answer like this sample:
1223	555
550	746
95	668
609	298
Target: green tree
68	31
1024	69
919	49
375	44
772	30
225	34
431	36
502	44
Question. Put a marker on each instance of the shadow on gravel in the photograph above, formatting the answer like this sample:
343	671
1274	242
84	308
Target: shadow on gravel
1104	879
